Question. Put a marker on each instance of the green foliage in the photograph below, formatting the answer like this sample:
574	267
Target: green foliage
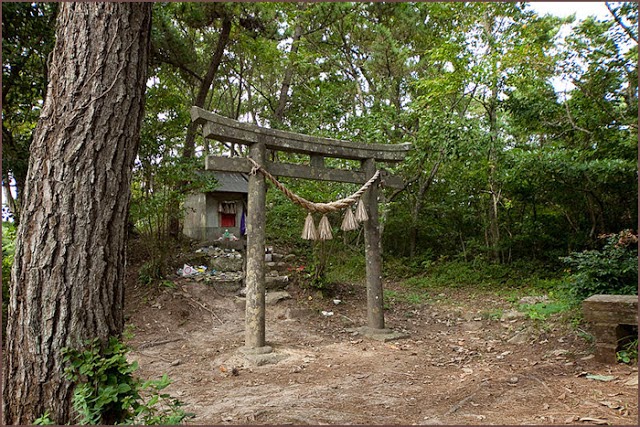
27	40
610	270
482	275
410	297
150	271
495	314
8	249
107	392
629	352
44	420
542	310
345	265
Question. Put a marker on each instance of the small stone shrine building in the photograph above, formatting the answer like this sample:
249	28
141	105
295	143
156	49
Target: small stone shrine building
208	215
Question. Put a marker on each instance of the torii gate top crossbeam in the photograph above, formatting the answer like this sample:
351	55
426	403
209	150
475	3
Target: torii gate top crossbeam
227	130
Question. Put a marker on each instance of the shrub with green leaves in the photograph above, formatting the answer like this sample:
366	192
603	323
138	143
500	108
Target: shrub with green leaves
629	352
8	248
610	270
107	392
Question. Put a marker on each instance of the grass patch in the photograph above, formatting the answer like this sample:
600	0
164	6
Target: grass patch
483	275
392	297
495	314
510	282
542	310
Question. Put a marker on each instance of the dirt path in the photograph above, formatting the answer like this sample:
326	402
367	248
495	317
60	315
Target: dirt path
456	367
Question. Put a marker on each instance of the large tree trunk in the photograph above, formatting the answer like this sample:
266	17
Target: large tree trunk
68	277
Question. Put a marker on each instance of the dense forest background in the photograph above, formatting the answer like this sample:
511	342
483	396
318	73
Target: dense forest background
523	174
524	126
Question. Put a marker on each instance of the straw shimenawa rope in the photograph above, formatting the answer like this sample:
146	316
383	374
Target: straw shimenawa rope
311	206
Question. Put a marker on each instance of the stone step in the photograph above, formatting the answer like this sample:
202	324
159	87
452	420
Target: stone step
271	298
276	282
227	285
226	264
277	266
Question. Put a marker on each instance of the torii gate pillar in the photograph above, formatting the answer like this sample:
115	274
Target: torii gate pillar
373	257
255	280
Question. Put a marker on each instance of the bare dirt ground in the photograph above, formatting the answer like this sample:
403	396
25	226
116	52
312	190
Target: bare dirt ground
456	367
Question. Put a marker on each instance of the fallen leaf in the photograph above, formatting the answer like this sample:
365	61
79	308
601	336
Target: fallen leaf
598	421
601	377
610	405
632	382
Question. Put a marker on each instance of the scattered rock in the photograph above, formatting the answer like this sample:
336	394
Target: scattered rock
557	353
274	297
176	362
513	380
534	299
226	264
276	282
571	419
511	315
519	338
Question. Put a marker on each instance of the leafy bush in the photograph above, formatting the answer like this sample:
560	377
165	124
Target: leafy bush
107	392
610	270
629	352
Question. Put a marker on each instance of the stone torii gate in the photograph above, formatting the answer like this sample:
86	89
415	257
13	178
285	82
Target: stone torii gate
260	139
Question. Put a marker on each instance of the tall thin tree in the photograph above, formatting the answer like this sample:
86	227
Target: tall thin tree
68	277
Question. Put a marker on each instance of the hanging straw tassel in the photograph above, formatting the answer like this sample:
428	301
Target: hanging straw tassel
309	231
361	212
349	222
324	229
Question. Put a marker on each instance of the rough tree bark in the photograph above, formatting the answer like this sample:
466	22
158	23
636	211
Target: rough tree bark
68	277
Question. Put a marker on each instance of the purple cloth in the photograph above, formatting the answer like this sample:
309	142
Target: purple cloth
243	223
